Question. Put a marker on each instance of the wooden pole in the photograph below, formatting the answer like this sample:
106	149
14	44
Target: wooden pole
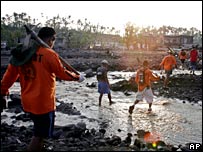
41	42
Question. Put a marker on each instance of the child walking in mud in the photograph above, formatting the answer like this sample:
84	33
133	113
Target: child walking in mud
103	82
143	79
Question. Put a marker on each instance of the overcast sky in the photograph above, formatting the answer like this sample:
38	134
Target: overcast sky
116	14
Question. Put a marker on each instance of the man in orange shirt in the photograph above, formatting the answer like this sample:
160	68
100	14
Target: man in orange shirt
168	64
182	57
37	69
143	78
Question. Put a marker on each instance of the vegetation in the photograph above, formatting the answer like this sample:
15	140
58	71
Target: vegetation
134	34
79	34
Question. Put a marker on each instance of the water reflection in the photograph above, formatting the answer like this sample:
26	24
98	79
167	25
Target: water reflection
130	127
174	122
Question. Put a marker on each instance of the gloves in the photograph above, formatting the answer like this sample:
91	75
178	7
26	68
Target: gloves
3	103
81	78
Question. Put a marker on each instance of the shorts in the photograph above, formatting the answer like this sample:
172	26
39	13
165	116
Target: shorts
168	73
146	93
193	65
103	87
43	124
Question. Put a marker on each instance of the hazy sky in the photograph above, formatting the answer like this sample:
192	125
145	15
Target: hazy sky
116	14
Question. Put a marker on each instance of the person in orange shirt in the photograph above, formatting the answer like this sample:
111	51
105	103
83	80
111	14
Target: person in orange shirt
168	63
143	78
37	69
182	57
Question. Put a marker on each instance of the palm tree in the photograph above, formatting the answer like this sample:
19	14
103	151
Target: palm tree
112	29
129	36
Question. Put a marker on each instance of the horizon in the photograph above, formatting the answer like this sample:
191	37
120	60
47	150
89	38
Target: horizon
111	14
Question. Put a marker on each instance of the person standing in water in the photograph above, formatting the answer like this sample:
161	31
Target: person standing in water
103	82
144	77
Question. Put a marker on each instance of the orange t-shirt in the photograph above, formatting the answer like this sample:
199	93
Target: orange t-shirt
148	78
182	56
37	80
168	62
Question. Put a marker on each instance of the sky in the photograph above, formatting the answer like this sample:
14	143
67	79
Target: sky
116	14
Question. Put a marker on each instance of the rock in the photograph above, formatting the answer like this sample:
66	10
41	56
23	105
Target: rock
140	133
81	126
178	149
124	85
115	140
199	103
128	139
160	143
24	117
68	108
15	101
102	142
69	138
57	134
103	131
18	110
69	127
93	131
92	85
127	93
89	73
174	148
15	97
138	143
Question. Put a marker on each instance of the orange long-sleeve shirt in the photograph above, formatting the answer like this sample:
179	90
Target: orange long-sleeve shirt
148	77
37	80
168	62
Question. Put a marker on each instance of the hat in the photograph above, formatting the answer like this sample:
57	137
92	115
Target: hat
21	56
105	62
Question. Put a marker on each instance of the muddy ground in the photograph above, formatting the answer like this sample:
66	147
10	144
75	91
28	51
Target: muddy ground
119	60
182	86
76	137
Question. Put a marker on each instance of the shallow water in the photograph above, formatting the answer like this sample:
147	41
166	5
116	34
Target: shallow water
171	120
